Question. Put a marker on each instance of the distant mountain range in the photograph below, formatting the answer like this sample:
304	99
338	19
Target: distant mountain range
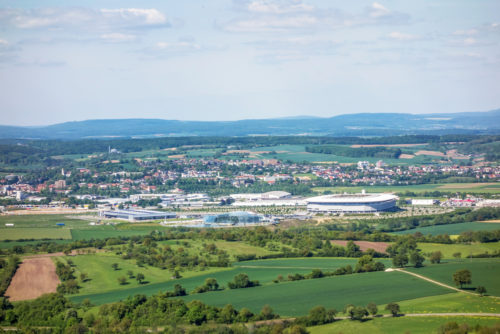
364	124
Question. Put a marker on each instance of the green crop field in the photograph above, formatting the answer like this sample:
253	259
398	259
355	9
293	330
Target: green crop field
420	188
420	325
454	302
484	272
464	249
298	297
264	271
34	233
452	229
49	220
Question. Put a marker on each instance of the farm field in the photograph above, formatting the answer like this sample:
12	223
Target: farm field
465	250
420	325
452	229
298	297
262	270
484	272
420	188
33	278
34	233
233	248
102	277
44	220
454	302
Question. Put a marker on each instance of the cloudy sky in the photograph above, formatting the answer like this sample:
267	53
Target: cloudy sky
66	60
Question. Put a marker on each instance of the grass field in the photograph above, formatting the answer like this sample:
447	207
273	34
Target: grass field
102	277
454	302
484	272
297	298
41	220
420	188
465	250
34	233
264	271
452	229
233	248
423	325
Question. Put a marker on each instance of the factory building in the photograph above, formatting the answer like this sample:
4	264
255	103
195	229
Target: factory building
137	215
232	218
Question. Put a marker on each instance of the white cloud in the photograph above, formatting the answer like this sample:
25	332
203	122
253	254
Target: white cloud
118	37
178	46
82	18
402	36
470	41
470	32
274	23
292	15
268	7
138	15
3	42
377	10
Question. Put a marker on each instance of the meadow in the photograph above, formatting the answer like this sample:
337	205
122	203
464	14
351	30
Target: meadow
34	233
454	302
265	271
419	188
484	272
420	325
452	229
464	249
298	297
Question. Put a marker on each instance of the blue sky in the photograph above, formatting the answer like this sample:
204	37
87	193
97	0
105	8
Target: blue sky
239	59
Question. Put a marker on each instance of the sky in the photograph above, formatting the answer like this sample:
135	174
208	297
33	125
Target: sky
205	60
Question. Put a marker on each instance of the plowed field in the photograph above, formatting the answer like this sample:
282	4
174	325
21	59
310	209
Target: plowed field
33	278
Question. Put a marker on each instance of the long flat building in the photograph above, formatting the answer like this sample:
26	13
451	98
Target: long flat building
351	203
137	215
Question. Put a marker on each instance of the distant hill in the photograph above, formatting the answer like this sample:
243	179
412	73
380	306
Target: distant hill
365	124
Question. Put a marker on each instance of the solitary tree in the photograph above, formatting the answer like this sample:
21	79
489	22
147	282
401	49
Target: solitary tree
114	266
372	308
416	259
481	290
140	277
83	277
457	255
211	284
461	277
393	308
122	280
436	257
130	274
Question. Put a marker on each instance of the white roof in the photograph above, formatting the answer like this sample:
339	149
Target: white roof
351	198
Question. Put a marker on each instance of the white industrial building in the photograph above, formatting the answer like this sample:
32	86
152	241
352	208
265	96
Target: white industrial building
352	203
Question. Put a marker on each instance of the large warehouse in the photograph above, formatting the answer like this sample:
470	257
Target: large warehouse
351	203
137	215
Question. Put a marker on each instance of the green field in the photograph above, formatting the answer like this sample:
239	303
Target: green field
264	271
421	325
452	229
298	297
454	302
41	220
34	233
484	272
420	188
464	249
102	277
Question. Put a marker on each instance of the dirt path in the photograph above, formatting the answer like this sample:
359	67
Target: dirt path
35	277
435	282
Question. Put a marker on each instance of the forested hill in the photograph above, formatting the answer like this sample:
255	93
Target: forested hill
367	124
